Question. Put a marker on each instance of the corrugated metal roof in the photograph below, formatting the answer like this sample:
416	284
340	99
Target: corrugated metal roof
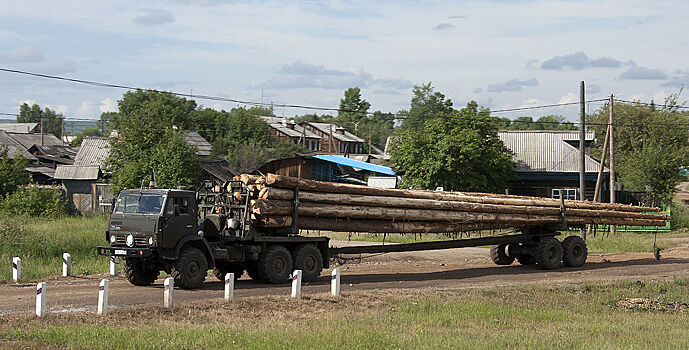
356	164
77	172
289	128
93	151
28	140
47	171
19	128
14	148
346	137
203	147
547	151
220	169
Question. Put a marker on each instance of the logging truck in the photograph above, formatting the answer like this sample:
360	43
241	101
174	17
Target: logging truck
253	224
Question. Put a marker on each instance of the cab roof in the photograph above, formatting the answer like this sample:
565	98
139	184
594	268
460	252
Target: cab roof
162	191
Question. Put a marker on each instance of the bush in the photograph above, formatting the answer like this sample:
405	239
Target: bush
679	218
35	202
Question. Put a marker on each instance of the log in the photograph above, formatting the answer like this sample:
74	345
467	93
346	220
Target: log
380	201
248	179
273	180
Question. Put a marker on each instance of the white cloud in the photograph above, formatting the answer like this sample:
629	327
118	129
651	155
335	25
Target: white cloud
153	17
569	98
108	105
59	108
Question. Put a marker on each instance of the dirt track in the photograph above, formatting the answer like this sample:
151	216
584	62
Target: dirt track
446	269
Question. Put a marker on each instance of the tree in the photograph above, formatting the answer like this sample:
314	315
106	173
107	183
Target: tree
150	125
12	172
425	104
85	133
548	122
352	110
651	145
459	152
52	121
315	118
110	121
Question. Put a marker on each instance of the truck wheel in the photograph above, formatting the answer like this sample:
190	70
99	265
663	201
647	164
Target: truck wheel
526	259
549	253
499	255
221	271
137	274
190	269
309	260
574	251
275	265
252	271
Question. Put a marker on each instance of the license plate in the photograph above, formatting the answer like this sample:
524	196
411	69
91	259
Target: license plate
120	252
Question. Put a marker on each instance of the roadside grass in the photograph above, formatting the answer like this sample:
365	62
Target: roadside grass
633	242
574	316
41	242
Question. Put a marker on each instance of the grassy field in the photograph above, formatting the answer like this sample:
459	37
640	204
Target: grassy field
586	315
41	242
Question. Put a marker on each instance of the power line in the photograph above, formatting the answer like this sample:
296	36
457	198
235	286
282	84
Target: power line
10	114
652	104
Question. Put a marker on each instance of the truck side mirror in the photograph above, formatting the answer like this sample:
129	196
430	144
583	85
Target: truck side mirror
176	206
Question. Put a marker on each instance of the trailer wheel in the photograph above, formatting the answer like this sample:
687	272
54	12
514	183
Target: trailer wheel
221	271
190	269
549	253
137	274
574	251
499	255
275	265
309	260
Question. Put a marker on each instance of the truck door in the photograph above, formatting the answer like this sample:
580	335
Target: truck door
181	213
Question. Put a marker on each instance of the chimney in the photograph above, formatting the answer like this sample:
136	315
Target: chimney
340	130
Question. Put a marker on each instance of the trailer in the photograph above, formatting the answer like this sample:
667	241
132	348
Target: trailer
220	228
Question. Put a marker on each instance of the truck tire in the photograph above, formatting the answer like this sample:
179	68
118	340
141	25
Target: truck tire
309	260
499	256
252	271
190	269
549	253
574	252
221	270
526	259
275	265
137	274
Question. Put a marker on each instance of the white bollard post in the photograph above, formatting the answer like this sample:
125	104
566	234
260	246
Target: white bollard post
40	299
169	286
16	269
114	266
66	265
103	296
335	283
296	284
229	286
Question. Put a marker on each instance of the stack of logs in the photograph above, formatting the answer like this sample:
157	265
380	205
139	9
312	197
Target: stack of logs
353	208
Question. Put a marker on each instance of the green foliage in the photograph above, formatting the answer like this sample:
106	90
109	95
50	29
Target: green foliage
52	121
459	152
150	137
679	219
548	122
352	109
35	202
249	157
111	120
377	127
425	104
651	145
315	118
86	133
12	172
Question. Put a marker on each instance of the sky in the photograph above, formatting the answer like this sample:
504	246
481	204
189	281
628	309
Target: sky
502	54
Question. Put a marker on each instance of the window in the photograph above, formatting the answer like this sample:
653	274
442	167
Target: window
182	202
139	203
566	193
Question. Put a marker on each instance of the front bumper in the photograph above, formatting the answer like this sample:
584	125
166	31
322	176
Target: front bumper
125	252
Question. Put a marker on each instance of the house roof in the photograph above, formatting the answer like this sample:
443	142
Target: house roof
28	140
14	148
47	171
325	128
19	128
296	130
547	151
356	164
219	169
93	151
203	147
77	172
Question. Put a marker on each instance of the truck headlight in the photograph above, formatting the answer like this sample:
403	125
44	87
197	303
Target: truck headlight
130	240
112	239
150	240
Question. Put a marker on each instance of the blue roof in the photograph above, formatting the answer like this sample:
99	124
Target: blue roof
357	164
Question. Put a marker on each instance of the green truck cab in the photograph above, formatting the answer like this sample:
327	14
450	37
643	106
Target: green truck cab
186	234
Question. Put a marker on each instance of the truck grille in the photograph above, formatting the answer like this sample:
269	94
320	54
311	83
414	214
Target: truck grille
138	241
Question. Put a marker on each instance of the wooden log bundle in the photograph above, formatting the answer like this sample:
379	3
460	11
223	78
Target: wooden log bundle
353	208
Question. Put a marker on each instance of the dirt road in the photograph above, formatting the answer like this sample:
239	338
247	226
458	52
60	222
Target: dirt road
445	269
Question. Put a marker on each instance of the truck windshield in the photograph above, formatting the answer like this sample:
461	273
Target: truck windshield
140	203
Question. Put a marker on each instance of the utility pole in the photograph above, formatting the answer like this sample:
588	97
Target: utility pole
330	139
42	131
63	131
582	149
370	142
102	128
613	228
